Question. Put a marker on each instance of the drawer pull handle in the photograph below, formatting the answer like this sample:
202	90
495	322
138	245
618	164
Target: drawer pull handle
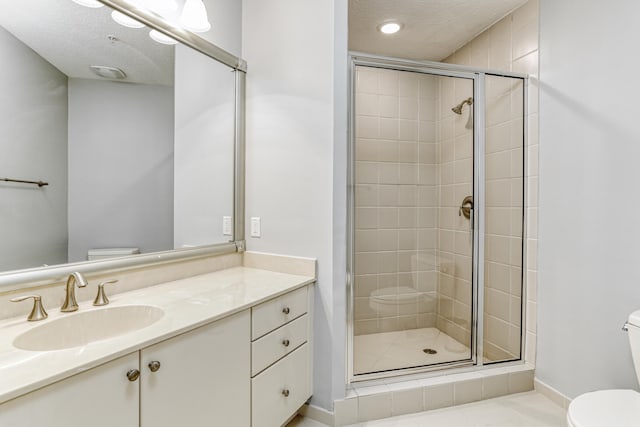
285	392
154	366
133	375
285	342
286	310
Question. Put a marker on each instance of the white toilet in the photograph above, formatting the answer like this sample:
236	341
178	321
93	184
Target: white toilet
615	408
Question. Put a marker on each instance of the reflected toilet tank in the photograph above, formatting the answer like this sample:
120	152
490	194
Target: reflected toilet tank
106	253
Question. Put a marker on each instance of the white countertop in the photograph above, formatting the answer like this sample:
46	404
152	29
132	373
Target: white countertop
187	304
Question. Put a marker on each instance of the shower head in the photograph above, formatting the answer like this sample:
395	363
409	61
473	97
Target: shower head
458	108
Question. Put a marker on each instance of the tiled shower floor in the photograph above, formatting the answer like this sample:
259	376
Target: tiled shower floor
402	349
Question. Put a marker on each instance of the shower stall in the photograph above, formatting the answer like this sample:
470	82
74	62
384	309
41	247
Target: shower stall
436	217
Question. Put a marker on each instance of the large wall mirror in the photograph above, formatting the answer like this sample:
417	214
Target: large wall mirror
113	142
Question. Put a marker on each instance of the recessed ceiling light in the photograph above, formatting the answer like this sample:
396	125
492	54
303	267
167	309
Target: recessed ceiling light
389	28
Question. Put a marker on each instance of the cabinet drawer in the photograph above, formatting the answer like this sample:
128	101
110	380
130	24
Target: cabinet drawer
278	392
277	344
272	314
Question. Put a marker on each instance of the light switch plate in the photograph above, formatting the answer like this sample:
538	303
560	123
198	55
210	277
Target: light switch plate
226	226
255	226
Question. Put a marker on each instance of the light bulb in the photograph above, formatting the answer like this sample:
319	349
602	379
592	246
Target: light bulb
123	19
89	3
390	28
161	7
161	38
194	16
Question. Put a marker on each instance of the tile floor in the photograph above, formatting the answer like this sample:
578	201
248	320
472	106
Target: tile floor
403	349
517	410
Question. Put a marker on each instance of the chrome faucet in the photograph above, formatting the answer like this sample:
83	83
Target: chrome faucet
70	303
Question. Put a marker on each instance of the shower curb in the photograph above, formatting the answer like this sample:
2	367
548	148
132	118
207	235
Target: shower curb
372	402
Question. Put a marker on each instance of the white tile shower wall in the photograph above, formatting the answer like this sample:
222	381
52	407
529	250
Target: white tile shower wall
395	201
510	45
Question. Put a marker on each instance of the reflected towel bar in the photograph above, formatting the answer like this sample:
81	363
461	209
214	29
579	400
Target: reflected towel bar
38	183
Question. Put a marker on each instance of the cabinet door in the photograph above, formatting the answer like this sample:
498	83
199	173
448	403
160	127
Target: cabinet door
203	378
100	397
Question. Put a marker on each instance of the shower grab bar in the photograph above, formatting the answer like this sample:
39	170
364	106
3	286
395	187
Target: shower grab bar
22	181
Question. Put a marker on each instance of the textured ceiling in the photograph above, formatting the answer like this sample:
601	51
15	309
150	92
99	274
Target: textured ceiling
432	29
72	37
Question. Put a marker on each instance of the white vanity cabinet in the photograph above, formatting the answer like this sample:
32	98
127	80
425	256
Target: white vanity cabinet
249	369
201	377
100	397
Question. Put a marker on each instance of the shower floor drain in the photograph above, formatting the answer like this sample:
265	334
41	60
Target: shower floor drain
430	351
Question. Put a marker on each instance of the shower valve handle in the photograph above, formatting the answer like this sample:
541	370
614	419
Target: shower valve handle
465	207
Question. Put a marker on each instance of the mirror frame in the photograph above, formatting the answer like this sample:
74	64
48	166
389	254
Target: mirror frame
18	279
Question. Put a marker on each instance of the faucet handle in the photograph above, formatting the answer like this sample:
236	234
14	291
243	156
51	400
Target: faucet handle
101	297
37	312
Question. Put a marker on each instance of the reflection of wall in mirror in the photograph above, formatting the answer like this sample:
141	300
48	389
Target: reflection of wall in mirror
204	136
226	25
204	148
120	166
33	117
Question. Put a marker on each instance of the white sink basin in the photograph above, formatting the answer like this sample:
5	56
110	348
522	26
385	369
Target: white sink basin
82	328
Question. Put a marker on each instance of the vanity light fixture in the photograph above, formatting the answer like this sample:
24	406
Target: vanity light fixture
389	28
194	16
161	7
89	3
126	21
161	38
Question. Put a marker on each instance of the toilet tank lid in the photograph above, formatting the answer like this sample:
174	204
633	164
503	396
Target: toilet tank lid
113	251
634	318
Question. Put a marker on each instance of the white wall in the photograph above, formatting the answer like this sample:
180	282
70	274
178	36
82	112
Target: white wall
589	150
296	88
33	125
120	166
204	148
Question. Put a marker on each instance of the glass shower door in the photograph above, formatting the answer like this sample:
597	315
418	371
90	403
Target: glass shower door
412	220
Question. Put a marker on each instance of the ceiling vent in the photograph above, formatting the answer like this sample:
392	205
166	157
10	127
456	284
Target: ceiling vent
108	72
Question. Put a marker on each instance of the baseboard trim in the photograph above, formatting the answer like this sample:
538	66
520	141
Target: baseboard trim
551	393
318	414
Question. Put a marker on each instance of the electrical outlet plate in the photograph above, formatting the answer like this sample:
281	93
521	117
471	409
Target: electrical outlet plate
255	226
226	226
